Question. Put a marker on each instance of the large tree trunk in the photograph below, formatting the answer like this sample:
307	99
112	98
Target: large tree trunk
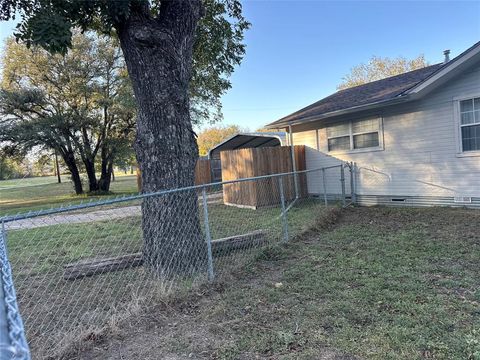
158	53
105	178
69	159
106	171
92	177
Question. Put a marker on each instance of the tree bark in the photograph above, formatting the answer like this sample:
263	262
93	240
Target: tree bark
106	171
57	169
69	159
158	54
92	177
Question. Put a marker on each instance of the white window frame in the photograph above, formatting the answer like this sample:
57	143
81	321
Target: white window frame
380	146
458	124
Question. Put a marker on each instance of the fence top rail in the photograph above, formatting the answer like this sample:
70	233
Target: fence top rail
121	199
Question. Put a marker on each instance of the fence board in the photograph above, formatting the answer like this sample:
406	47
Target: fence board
244	163
203	172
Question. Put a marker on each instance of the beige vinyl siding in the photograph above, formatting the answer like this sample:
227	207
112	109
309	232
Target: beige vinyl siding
314	160
420	155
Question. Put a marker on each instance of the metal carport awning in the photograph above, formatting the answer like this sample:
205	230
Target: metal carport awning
248	140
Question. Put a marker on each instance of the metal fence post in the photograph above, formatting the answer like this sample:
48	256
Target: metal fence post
6	349
324	187
284	211
208	236
342	180
12	333
352	183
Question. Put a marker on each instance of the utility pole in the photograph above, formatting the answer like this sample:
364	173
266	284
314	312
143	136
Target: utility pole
57	167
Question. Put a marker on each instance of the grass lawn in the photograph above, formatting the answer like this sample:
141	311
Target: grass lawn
382	283
43	192
38	256
33	181
48	248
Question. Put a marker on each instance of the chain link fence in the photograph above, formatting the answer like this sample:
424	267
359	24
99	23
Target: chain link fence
78	270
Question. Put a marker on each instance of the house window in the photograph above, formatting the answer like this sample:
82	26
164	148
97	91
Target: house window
339	137
354	135
470	124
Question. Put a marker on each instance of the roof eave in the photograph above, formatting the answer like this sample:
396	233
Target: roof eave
413	93
371	106
430	82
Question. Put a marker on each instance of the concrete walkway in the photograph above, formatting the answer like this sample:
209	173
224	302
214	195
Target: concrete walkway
98	215
90	216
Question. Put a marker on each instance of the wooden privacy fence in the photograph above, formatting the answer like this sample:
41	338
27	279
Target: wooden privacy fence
203	174
252	162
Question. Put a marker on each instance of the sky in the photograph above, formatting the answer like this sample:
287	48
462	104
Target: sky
299	51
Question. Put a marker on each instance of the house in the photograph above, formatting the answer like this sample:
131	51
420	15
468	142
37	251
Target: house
414	138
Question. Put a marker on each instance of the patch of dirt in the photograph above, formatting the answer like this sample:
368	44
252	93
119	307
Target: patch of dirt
442	220
178	329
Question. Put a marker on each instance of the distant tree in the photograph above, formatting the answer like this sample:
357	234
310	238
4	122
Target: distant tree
125	158
29	126
264	130
379	68
214	135
80	105
43	165
10	167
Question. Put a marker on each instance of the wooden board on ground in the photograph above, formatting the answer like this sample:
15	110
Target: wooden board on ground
90	267
252	239
99	266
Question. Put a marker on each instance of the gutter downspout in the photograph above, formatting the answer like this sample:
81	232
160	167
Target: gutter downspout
294	164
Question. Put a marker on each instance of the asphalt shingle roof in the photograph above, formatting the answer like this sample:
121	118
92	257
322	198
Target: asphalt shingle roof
365	94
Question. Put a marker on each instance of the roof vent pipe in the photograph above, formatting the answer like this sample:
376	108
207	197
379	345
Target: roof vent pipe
447	56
